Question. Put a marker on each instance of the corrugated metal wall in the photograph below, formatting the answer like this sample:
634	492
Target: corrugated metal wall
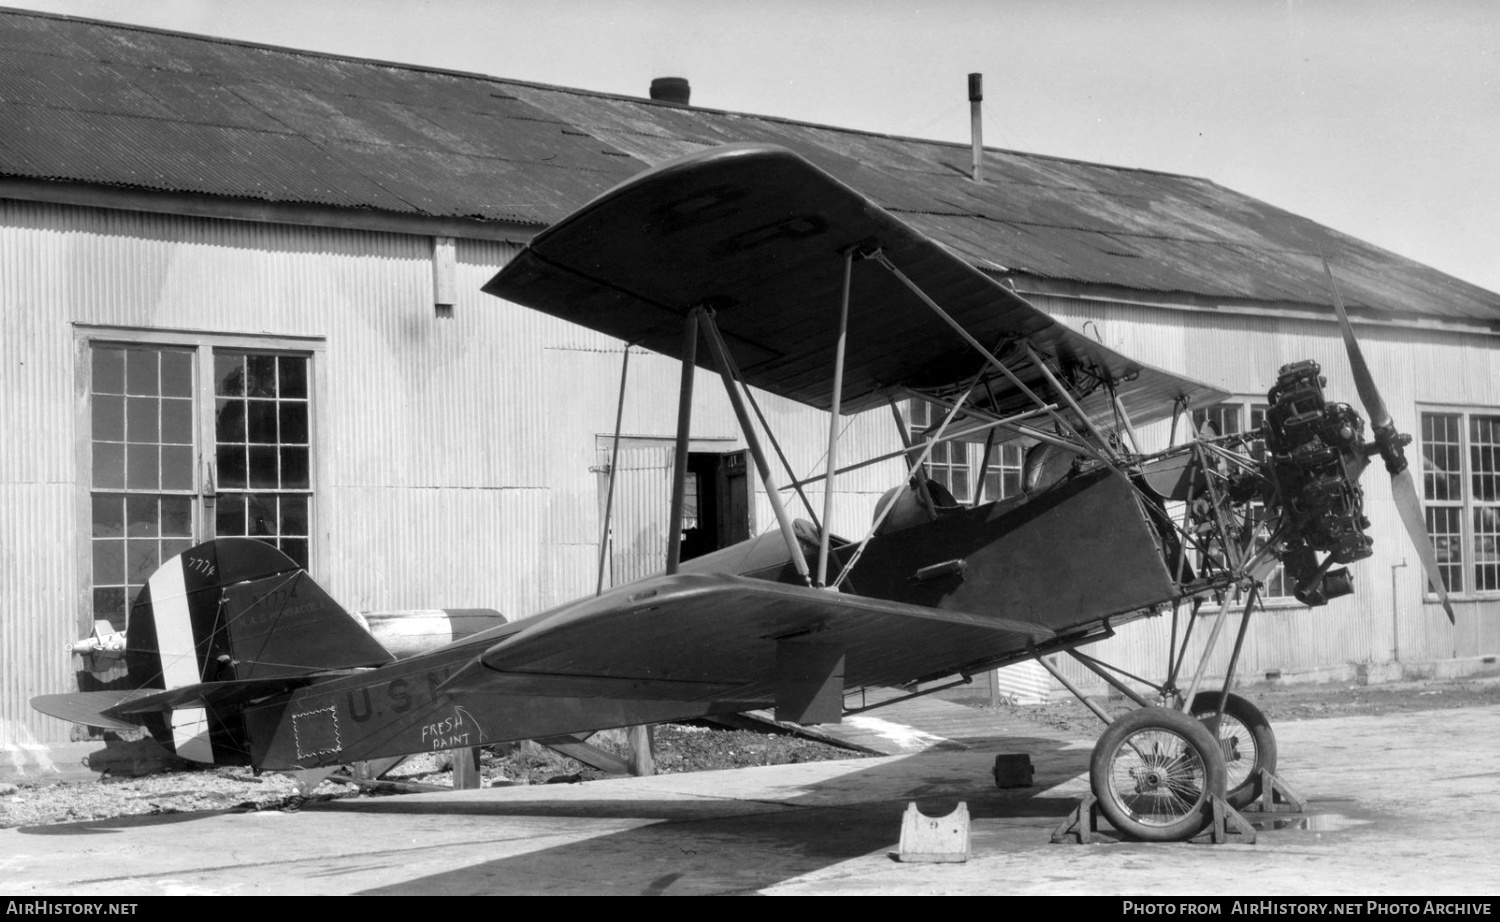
457	454
38	578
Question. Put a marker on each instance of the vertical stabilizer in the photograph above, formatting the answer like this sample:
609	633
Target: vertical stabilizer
287	625
233	608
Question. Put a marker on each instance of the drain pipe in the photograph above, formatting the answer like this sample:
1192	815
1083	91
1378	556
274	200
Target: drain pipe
976	126
1395	615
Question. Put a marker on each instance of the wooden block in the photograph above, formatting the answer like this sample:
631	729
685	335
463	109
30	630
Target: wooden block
929	839
466	776
642	760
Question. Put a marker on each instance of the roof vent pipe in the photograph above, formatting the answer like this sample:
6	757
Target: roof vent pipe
674	90
976	128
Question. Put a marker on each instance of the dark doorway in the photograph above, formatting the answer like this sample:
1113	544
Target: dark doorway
716	508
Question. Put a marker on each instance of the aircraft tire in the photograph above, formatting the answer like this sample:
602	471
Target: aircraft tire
1153	771
1245	739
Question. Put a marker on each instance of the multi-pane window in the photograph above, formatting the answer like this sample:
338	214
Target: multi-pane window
1233	418
262	449
151	496
1004	475
1220	419
955	465
1461	493
142	496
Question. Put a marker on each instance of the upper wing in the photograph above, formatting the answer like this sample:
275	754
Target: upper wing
694	637
758	234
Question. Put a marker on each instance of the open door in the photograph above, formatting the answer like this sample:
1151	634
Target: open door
717	511
736	520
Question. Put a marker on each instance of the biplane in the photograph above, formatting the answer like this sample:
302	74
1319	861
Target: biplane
754	263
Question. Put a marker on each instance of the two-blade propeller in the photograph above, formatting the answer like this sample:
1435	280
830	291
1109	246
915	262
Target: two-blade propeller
1390	444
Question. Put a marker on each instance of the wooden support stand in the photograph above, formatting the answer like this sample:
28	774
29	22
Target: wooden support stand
374	769
1276	796
1083	824
578	747
1227	822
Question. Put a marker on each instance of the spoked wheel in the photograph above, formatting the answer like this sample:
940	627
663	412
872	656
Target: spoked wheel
1245	739
1153	771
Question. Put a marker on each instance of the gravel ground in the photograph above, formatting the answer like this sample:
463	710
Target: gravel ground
1297	702
678	748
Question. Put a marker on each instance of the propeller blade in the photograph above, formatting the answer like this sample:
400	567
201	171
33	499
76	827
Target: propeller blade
1364	382
1404	491
1403	488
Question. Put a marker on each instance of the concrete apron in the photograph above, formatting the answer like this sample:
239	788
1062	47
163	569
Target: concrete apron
1401	804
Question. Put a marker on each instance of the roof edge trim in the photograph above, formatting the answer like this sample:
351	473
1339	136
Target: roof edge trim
185	204
1284	310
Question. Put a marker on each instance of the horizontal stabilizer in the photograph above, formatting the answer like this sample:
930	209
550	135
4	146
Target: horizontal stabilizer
213	694
88	708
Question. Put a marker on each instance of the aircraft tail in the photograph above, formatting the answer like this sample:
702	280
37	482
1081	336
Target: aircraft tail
225	622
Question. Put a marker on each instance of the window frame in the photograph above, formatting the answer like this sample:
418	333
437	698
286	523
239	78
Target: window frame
1468	503
203	344
972	455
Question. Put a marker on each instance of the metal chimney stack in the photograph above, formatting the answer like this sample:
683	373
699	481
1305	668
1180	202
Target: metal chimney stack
674	90
976	127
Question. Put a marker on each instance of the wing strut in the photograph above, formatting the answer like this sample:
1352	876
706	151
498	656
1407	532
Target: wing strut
765	425
684	419
833	424
989	448
1067	396
1213	637
614	463
919	470
1012	423
737	400
916	465
1135	440
1082	444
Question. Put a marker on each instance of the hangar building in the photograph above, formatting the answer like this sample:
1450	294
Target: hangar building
241	297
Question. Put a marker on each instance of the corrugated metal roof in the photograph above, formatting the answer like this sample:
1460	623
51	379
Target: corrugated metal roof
191	114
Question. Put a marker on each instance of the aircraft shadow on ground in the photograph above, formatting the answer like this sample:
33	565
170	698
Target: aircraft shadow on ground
117	824
696	845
